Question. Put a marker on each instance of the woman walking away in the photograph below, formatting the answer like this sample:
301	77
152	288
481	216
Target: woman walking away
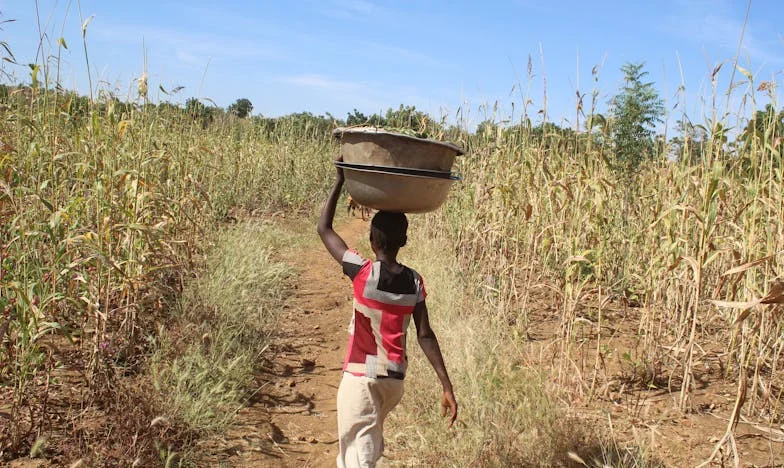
387	295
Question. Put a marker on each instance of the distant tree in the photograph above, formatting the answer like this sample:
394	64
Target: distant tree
168	107
358	118
355	118
407	117
241	108
304	122
487	129
690	145
198	111
77	106
117	109
635	112
194	107
549	131
766	126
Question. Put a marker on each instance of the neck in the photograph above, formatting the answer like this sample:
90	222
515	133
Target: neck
387	257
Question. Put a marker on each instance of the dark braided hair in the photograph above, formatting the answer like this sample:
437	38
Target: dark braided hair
388	230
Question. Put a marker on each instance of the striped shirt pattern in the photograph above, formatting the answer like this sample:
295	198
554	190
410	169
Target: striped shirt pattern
383	304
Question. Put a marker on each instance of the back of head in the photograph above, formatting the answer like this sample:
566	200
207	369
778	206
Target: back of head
388	230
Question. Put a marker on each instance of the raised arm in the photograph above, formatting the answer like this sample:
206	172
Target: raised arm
429	344
332	241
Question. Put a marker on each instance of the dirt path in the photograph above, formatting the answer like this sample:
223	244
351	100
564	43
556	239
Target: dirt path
292	420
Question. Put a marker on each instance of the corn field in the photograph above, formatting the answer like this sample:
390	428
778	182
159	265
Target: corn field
105	211
106	208
694	250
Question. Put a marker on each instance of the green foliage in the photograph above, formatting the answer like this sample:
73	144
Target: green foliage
487	129
692	142
241	108
635	112
765	130
304	122
194	108
358	118
409	118
198	112
404	119
169	109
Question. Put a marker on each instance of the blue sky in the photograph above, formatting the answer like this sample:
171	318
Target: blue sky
441	56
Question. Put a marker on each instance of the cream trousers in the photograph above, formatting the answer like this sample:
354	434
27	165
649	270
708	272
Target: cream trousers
363	404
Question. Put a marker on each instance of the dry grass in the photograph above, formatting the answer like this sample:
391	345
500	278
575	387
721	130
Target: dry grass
107	208
204	366
690	247
511	414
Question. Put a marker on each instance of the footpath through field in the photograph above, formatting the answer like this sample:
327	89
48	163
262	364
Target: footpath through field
292	419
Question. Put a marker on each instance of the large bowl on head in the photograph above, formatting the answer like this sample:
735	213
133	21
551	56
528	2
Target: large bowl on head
404	190
378	147
397	170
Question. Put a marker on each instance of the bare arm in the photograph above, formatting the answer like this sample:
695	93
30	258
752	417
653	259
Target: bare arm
429	344
332	241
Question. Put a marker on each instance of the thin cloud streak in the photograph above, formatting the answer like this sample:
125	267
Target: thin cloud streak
356	6
531	5
365	95
319	81
252	26
399	53
195	46
724	33
354	10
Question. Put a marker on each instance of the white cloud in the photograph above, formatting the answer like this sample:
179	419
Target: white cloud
727	32
364	95
398	53
712	24
533	5
187	58
357	10
362	7
326	83
191	48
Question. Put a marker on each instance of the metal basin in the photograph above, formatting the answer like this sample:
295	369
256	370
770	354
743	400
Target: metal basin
396	170
394	191
374	146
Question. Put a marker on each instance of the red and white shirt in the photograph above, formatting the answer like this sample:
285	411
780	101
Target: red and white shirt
383	304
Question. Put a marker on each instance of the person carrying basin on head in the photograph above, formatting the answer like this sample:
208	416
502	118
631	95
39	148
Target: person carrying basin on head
387	295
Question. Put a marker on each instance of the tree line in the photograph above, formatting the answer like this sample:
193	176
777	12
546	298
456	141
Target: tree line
627	134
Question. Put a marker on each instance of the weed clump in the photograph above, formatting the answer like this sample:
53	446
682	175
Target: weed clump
204	367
